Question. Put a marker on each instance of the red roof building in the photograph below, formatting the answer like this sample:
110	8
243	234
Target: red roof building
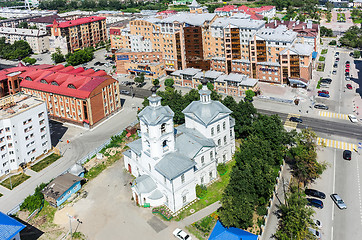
77	34
72	94
255	13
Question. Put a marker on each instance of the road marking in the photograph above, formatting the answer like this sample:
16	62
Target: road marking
333	115
334	182
336	144
291	124
332	233
359	192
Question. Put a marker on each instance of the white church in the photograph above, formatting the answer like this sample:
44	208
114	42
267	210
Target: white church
169	162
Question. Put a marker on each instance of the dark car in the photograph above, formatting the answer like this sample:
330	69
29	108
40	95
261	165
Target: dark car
349	86
321	106
326	80
323	95
347	62
335	65
141	84
97	63
346	74
315	193
337	59
315	203
347	155
295	119
351	54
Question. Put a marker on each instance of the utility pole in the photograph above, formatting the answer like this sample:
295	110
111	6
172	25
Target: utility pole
70	226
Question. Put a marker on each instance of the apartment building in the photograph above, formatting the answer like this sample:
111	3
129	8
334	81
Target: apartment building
42	22
150	64
75	95
37	39
77	34
235	44
24	131
233	84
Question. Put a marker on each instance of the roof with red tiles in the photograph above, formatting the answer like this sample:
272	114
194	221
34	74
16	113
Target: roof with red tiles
300	27
114	31
67	81
167	12
76	22
243	8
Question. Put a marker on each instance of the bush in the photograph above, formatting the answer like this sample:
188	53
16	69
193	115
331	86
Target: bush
57	57
324	51
221	168
333	42
356	54
201	191
29	60
169	82
319	83
156	82
261	210
321	59
35	201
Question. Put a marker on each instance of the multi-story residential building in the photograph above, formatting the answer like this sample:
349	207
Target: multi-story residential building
24	131
42	22
168	162
77	34
149	63
308	32
233	84
71	94
37	39
235	44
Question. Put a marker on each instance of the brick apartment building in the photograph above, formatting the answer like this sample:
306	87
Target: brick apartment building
71	94
235	44
77	34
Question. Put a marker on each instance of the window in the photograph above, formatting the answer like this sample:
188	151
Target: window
224	139
11	152
224	125
202	160
224	157
219	142
183	178
212	131
164	179
7	129
184	199
149	167
218	128
231	133
211	154
163	128
210	175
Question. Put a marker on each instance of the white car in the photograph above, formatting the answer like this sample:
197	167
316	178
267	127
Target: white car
180	234
317	223
352	118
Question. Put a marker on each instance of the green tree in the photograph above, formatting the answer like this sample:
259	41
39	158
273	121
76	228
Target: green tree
29	60
156	82
303	157
58	56
326	32
23	25
81	56
352	37
294	217
249	94
33	202
356	54
140	78
169	82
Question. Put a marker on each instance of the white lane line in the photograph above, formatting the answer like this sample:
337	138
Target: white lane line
359	192
334	179
332	233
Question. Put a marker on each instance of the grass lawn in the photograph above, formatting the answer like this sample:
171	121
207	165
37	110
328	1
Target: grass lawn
15	180
45	162
320	67
202	228
321	59
324	51
214	193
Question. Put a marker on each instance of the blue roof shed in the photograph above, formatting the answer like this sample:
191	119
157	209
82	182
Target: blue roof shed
223	233
9	227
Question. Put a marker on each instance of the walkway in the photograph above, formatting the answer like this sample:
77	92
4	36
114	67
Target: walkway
201	214
272	222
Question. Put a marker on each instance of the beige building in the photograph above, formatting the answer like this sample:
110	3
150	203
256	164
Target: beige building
37	39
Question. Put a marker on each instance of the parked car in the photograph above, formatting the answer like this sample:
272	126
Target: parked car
317	234
346	74
124	82
347	65
335	65
336	54
348	78
334	72
352	118
124	92
338	201
180	234
323	95
347	70
321	106
317	223
315	193
347	62
295	119
141	84
347	155
315	203
326	80
323	91
351	54
337	59
349	86
96	63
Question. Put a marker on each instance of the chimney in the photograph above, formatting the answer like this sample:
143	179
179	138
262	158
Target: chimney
309	24
275	22
303	27
297	23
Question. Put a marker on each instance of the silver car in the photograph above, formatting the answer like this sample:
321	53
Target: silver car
338	201
316	233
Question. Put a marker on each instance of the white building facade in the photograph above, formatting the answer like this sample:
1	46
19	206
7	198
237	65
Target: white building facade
24	132
169	162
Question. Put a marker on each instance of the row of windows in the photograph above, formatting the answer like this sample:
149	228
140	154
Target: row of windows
218	128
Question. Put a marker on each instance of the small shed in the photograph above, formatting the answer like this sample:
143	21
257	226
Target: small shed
10	228
77	170
61	188
223	233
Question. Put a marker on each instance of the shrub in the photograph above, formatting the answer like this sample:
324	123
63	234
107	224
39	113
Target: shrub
201	191
324	51
29	60
333	42
169	82
356	54
321	59
33	202
221	168
261	210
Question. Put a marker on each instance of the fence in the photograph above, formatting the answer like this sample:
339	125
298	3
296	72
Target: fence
81	161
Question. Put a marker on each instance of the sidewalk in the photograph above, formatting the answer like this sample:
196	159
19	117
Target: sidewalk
201	214
272	220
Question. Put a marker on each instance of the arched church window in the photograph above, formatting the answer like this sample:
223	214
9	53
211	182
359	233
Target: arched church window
224	125
163	128
149	167
212	131
218	128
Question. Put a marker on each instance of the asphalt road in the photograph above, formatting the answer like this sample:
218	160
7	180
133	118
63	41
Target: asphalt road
139	92
347	129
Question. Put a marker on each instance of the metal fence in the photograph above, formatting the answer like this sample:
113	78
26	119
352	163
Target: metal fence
80	161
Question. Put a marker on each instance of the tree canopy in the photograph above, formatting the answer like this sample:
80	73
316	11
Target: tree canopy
81	56
17	50
57	56
352	37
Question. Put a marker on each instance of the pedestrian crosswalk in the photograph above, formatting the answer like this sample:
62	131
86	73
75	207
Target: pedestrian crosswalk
333	115
336	144
291	124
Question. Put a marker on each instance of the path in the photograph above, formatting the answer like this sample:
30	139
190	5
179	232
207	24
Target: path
201	214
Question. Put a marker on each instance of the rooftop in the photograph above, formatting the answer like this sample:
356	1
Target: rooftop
22	31
47	19
76	22
9	227
189	18
279	34
60	185
13	105
238	21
